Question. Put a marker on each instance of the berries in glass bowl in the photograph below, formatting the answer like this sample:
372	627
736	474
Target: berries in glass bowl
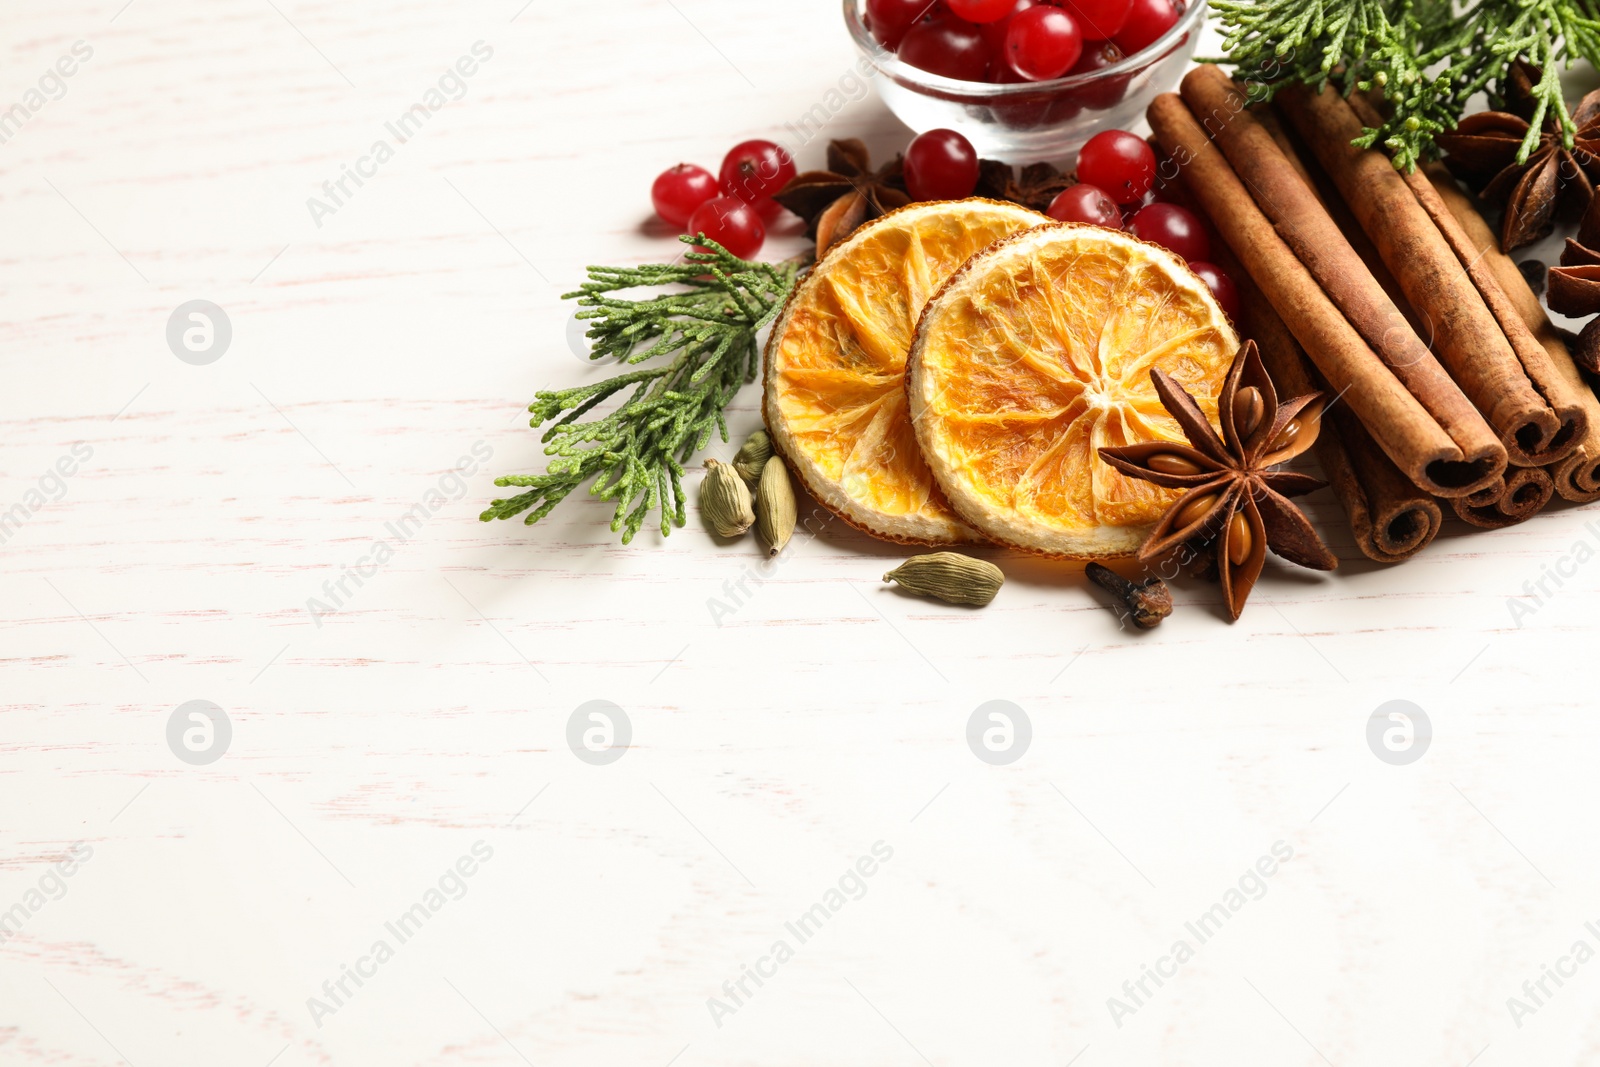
1007	41
1042	43
1026	79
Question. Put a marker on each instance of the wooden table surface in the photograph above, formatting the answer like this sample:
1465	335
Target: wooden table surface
395	856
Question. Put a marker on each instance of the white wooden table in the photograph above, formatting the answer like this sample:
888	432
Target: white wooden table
422	724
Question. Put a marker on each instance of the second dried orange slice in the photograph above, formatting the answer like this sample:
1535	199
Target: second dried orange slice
835	400
1036	354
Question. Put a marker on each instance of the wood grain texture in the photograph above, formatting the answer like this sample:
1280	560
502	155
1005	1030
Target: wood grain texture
823	714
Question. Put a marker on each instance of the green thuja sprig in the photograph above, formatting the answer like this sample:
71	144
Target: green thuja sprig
1427	57
705	331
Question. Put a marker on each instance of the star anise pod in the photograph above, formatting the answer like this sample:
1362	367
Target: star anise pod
1231	493
849	193
1035	187
1574	286
1555	179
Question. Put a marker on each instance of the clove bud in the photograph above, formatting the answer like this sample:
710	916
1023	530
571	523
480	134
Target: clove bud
1146	603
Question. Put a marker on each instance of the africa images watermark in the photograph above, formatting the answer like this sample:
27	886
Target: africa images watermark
452	85
851	87
851	885
451	486
52	86
51	886
1537	592
1252	885
50	487
737	592
1536	992
452	885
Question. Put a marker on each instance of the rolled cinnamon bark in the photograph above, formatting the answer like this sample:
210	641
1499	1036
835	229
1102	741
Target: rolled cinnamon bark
1297	153
1523	495
1390	518
1304	223
1577	477
1560	393
1402	427
1470	342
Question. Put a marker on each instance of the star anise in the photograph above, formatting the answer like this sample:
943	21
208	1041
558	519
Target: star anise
849	193
1035	187
1574	286
1555	179
1231	494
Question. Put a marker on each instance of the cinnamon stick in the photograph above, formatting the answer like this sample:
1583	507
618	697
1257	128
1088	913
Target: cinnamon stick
1524	493
1577	477
1547	379
1297	153
1390	518
1470	342
1318	242
1402	427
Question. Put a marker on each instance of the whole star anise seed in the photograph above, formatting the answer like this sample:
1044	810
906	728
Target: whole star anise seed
1554	180
834	202
1036	186
1230	491
1573	288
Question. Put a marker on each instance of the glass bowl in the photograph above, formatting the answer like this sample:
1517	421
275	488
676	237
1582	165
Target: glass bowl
1034	121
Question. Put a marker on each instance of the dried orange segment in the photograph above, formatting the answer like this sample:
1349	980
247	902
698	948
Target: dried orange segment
835	369
1036	355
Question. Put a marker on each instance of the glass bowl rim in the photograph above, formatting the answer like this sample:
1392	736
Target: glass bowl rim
917	78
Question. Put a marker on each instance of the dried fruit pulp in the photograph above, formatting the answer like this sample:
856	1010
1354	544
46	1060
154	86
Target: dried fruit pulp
835	389
1038	353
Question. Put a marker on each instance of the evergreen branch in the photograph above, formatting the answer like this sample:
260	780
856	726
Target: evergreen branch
705	330
1427	57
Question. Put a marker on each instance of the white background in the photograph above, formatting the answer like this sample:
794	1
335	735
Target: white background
372	352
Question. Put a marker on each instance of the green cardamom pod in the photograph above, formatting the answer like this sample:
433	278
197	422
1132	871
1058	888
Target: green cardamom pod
776	510
751	459
725	500
949	576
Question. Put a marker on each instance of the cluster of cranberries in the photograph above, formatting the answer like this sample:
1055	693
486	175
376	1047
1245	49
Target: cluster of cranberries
1117	189
732	208
1017	40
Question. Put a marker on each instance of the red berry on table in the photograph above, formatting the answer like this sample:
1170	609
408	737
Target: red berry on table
1221	287
941	165
1146	24
1085	203
732	223
949	47
1100	20
681	189
890	19
1043	42
754	170
1174	228
980	10
1120	163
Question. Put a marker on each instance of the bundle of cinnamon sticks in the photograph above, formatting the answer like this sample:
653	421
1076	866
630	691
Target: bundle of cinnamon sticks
1388	290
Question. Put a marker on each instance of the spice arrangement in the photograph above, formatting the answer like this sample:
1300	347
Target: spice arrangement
1118	359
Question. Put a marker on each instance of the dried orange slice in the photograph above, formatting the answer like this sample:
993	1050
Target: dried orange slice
835	366
1036	354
